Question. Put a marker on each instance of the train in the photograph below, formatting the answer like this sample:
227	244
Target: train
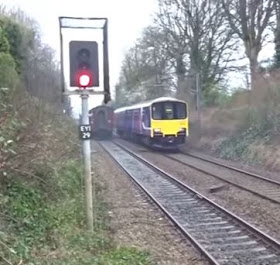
101	119
162	122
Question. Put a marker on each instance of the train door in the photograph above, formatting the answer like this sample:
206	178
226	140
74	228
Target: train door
128	122
101	120
136	121
146	121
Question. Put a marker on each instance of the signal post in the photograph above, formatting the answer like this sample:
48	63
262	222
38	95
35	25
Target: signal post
84	74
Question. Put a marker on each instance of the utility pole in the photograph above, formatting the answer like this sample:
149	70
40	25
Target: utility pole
198	107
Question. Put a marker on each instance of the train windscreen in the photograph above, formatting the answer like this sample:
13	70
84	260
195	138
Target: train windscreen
169	111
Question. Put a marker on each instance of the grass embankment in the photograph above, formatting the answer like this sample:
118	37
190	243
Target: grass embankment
42	218
247	128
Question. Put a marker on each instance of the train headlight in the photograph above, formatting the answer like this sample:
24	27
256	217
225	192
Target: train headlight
158	130
182	130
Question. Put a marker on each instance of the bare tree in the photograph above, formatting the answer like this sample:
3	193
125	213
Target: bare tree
249	20
172	22
201	41
154	43
145	73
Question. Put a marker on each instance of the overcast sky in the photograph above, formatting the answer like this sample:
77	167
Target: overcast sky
126	18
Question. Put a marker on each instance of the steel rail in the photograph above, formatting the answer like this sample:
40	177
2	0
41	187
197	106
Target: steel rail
253	230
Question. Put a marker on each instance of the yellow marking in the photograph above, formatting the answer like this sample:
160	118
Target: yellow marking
169	126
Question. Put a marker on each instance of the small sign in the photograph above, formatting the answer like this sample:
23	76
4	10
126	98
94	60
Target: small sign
85	132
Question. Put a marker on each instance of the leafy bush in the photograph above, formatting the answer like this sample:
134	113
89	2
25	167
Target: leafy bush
8	75
259	122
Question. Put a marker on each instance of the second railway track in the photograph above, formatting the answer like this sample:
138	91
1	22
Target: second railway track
263	187
223	237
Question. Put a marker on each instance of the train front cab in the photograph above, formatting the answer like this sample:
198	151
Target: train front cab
169	123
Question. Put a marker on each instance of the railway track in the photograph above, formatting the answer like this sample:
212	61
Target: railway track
220	235
263	187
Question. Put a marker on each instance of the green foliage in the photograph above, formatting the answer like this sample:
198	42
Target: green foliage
40	223
125	256
4	43
32	220
14	32
8	75
249	123
237	146
34	61
258	124
10	128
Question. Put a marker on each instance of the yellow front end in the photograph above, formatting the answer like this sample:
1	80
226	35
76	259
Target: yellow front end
169	127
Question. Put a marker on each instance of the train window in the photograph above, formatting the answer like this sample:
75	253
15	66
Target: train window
157	111
180	109
169	111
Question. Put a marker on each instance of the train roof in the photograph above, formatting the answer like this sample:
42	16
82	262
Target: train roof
148	103
101	107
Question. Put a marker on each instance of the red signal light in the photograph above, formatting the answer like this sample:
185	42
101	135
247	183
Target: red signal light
84	79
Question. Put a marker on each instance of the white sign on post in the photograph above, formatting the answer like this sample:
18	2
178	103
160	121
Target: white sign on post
85	132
